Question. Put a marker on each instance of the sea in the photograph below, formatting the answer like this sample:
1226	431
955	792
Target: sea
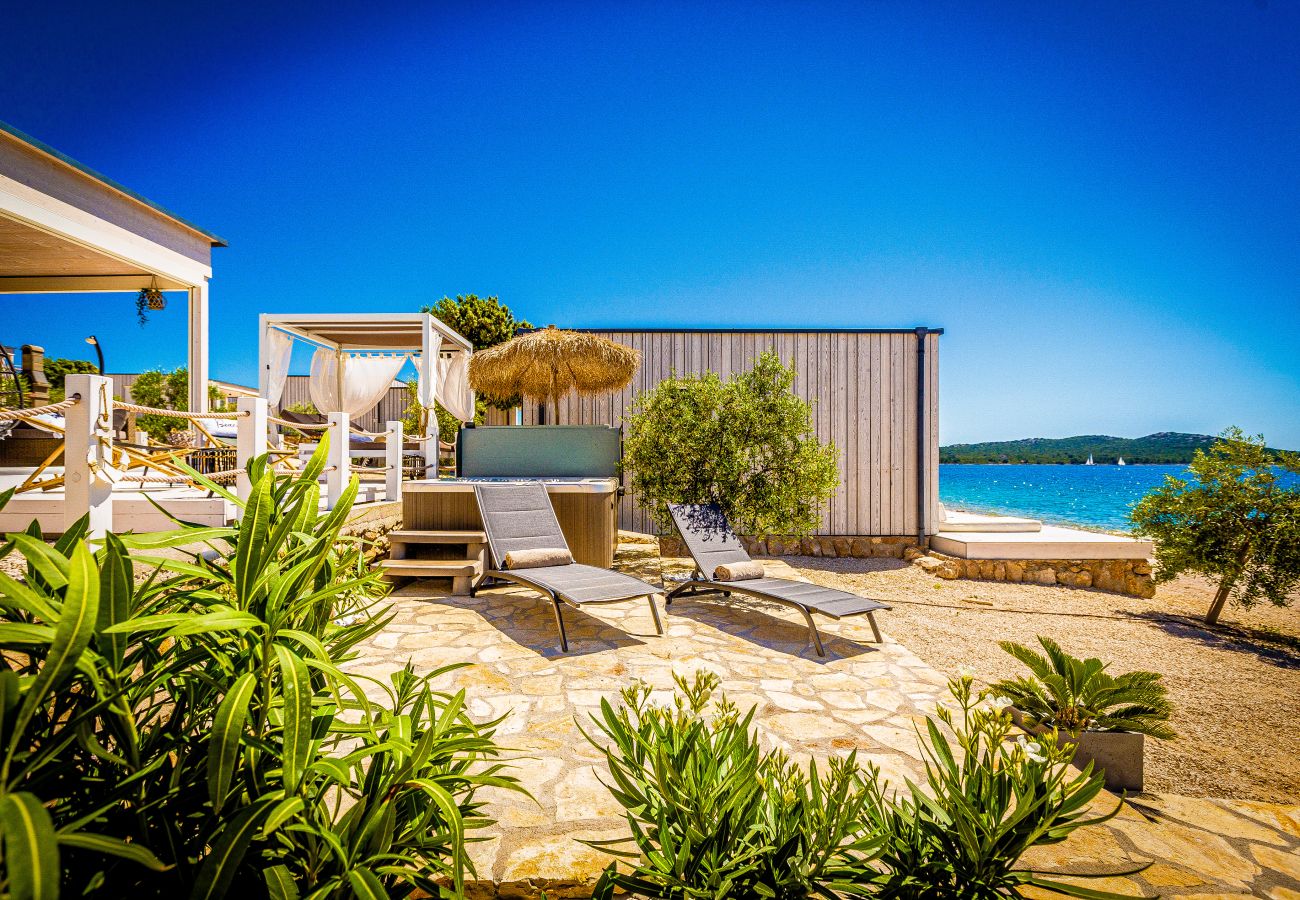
1096	497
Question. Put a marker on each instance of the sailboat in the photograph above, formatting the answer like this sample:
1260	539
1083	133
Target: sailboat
1121	462
1090	462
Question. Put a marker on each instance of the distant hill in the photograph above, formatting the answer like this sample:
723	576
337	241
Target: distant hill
1167	447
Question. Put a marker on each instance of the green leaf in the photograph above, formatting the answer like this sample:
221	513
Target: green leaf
366	885
296	690
72	634
279	883
110	846
227	732
31	853
219	869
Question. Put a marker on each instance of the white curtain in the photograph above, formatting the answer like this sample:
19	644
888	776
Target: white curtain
364	379
453	390
279	348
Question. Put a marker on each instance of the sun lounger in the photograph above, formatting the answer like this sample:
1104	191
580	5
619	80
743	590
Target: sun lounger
518	517
711	543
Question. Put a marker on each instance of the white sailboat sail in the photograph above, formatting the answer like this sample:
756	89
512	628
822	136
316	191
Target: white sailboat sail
1090	462
1121	462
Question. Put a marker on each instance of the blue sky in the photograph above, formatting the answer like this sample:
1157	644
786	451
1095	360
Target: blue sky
1099	201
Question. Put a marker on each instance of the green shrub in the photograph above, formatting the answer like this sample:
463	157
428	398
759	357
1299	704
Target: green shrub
166	390
1238	522
180	724
746	444
712	816
983	803
57	371
1075	695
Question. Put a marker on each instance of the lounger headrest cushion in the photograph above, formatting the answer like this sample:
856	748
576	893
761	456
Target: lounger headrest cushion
739	571
538	558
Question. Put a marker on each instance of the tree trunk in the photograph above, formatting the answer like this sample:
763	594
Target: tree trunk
1225	586
1220	598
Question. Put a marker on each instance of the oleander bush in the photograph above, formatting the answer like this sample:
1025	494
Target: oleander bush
714	816
1075	695
179	724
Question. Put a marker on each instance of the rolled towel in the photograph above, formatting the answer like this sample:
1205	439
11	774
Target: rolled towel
739	571
539	558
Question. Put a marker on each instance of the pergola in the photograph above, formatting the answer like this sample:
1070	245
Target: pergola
346	333
67	229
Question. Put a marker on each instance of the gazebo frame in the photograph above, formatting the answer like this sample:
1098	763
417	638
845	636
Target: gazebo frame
419	332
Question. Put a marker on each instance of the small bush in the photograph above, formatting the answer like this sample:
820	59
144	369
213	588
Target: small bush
746	444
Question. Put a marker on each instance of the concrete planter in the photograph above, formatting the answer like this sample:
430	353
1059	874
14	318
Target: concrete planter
1119	755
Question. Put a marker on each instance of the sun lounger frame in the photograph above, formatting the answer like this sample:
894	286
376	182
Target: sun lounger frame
730	550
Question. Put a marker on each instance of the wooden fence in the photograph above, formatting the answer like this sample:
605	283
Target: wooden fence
863	385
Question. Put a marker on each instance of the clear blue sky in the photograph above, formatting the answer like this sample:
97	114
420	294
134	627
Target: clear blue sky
1100	201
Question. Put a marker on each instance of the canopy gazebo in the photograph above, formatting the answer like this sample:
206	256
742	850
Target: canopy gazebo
358	355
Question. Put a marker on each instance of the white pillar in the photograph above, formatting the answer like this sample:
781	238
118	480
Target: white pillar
198	348
339	461
393	461
430	344
250	441
83	491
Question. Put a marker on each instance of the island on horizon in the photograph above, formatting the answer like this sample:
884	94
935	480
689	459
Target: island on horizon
1162	448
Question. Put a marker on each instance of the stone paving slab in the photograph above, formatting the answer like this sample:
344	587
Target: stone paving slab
862	696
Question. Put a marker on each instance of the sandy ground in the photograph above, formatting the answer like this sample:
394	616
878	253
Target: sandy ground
1235	688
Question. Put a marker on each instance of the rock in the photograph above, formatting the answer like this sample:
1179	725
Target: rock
843	546
929	564
1045	576
911	553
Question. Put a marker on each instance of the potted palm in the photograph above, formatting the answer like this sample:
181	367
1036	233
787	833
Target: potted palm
1106	717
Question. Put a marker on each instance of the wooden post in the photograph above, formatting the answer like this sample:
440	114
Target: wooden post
85	491
33	364
393	461
339	461
250	442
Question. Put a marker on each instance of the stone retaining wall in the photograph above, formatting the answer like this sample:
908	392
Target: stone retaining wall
372	523
1122	576
850	546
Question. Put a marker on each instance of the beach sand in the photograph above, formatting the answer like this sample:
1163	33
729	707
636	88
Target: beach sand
1235	687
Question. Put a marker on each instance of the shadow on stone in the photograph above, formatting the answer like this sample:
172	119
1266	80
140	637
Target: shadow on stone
751	619
528	620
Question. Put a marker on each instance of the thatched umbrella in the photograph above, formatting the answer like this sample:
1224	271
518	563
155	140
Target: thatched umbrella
546	365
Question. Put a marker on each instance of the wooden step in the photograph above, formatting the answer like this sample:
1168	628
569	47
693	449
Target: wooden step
437	537
432	568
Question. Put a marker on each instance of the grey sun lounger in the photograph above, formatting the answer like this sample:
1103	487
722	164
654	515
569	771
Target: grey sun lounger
711	543
519	516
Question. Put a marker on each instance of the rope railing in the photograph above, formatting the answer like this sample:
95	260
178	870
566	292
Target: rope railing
298	426
371	469
24	415
177	413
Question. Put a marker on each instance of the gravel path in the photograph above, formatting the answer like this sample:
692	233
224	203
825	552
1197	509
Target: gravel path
1235	688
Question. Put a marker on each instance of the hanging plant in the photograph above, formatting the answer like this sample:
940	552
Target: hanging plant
149	298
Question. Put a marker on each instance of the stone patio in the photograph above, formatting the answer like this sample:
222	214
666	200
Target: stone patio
861	695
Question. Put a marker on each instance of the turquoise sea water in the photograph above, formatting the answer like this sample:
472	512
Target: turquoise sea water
1092	496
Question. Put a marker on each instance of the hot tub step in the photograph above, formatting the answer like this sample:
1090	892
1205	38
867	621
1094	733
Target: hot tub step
462	572
437	537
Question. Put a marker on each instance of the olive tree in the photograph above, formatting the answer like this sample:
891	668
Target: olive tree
746	444
1237	520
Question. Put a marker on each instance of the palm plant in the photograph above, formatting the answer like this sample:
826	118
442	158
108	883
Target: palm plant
1076	695
183	725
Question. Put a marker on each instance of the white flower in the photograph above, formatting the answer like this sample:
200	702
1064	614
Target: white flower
1000	703
965	672
1032	749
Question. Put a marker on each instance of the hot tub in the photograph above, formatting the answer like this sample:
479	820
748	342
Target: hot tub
586	507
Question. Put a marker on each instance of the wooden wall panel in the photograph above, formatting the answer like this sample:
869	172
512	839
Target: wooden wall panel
862	386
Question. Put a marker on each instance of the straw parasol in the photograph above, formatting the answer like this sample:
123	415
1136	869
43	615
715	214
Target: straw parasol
547	364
